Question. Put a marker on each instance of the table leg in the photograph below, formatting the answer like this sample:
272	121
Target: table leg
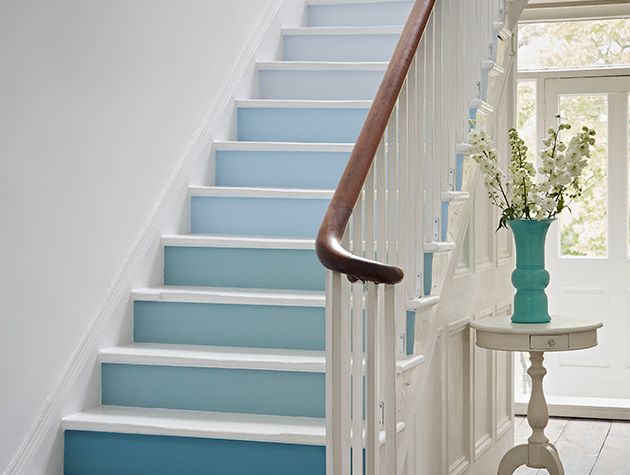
538	452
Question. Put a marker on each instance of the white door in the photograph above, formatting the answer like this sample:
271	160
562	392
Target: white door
588	249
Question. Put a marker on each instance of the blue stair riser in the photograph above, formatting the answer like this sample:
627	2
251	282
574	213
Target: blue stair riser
296	269
283	393
356	47
323	85
253	326
428	273
294	217
359	14
309	170
410	332
331	125
106	453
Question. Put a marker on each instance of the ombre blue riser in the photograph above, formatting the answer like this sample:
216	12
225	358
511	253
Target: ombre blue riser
459	172
300	125
254	326
339	47
284	393
331	85
311	170
104	453
257	216
296	269
410	332
428	273
359	14
444	220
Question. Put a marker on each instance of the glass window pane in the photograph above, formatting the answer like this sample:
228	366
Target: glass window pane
526	104
584	230
574	44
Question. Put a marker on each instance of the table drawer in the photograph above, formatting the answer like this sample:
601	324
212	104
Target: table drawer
549	342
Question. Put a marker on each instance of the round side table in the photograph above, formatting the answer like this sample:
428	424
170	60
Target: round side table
561	334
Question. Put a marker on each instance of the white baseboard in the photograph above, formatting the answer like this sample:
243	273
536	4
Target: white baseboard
49	414
581	407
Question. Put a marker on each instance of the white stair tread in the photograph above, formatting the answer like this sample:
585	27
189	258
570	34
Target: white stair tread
245	242
343	30
215	357
200	424
225	295
321	66
439	246
283	146
251	192
408	363
463	147
302	104
455	195
481	106
423	302
203	424
493	68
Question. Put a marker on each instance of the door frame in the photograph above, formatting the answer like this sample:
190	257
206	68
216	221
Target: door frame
546	82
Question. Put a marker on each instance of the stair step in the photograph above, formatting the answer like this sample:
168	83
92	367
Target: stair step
422	303
202	378
257	211
251	146
166	442
242	261
356	43
327	121
439	246
201	424
303	165
357	12
215	357
455	195
315	80
252	318
241	242
230	296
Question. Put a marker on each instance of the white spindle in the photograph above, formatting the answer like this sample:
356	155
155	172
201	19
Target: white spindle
389	370
357	348
372	406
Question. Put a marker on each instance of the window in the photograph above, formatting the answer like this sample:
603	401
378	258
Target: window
574	44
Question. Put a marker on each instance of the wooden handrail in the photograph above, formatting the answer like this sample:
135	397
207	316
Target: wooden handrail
330	251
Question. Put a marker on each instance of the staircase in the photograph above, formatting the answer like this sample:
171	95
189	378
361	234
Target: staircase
227	370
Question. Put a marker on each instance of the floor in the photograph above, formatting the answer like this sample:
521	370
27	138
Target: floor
586	446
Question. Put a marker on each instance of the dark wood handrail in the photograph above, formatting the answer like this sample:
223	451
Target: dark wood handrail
330	251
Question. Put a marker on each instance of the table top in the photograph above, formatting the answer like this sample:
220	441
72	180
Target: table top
558	325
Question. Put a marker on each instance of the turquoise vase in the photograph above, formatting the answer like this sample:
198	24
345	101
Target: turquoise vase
530	277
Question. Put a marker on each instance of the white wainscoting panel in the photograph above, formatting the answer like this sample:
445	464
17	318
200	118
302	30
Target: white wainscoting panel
459	398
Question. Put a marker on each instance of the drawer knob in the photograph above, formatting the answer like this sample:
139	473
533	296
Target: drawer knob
551	343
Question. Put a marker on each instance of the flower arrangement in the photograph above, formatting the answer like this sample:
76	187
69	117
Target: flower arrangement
527	193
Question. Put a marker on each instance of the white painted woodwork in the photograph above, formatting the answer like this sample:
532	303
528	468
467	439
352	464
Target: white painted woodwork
206	240
203	356
234	296
594	287
202	424
245	192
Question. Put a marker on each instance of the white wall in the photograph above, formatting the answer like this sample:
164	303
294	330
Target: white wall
99	100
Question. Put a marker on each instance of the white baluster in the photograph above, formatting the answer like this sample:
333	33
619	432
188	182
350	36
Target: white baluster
371	357
357	347
389	382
